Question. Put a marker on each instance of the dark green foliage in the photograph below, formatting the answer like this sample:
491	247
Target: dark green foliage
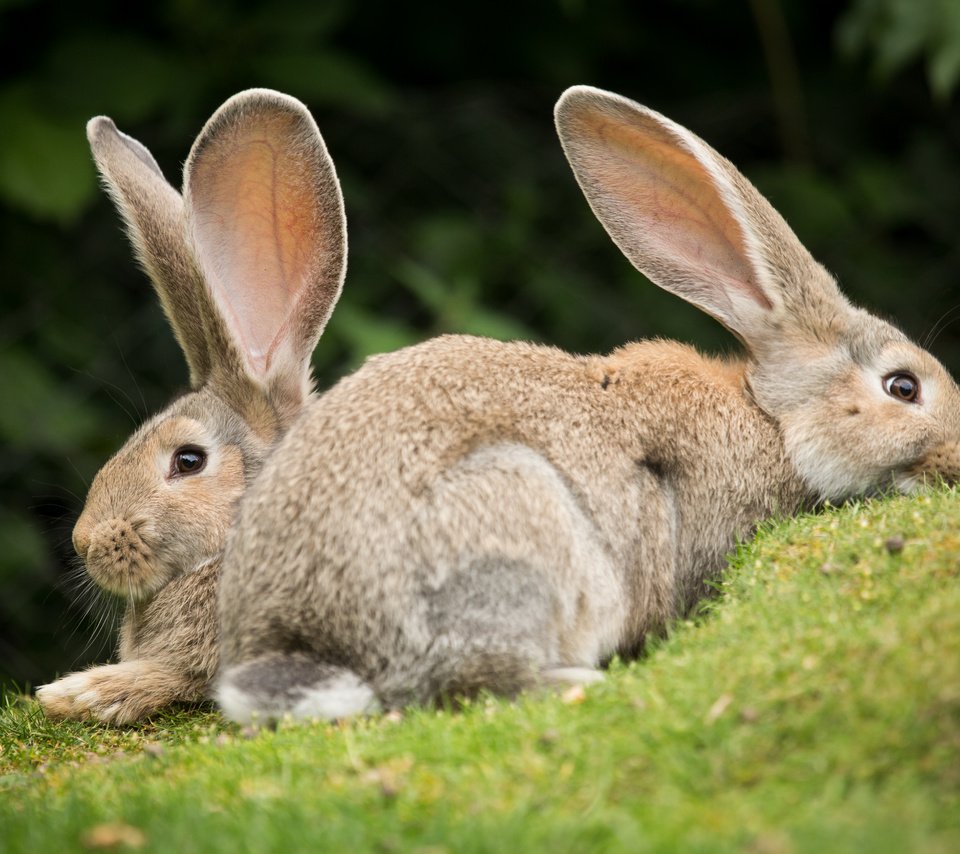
463	213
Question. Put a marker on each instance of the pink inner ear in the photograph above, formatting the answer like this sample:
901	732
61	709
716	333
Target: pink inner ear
254	227
670	211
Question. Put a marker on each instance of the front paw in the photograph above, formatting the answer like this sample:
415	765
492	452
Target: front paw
112	693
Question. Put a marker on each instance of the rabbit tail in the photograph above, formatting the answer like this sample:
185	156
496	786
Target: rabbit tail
274	686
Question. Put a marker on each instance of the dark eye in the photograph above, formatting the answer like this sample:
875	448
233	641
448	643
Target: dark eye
903	386
187	460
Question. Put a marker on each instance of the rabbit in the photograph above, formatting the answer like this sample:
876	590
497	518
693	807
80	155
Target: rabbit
248	265
469	515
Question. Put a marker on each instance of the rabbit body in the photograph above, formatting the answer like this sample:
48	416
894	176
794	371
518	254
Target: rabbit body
517	512
248	265
467	514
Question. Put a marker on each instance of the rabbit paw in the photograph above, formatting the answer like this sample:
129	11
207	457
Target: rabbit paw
112	693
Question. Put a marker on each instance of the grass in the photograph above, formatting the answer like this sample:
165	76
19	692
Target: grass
815	706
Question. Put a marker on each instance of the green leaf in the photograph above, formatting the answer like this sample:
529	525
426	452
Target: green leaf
480	321
882	192
943	68
815	206
294	22
455	304
424	284
367	334
45	166
117	74
324	77
38	413
897	32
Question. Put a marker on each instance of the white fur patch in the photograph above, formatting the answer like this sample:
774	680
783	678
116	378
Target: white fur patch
342	697
85	687
99	692
572	675
236	705
67	688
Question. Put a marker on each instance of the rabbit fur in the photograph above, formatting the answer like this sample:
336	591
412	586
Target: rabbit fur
248	265
468	515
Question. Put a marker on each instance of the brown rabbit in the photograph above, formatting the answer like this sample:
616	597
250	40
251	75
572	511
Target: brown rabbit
467	514
248	265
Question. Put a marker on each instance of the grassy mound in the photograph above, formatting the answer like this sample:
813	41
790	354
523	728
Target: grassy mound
815	706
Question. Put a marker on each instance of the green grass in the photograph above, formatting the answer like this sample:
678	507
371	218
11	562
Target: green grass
815	706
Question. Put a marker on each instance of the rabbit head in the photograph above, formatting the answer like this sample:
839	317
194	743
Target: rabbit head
860	407
248	264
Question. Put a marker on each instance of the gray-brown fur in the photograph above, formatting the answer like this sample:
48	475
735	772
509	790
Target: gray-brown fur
260	189
469	514
167	652
514	489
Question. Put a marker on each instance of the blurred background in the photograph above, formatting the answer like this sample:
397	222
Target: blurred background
463	214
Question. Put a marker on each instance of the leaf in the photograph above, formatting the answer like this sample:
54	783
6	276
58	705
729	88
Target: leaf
120	75
883	192
324	77
39	414
480	321
292	21
897	32
45	167
366	334
943	68
815	206
455	304
424	284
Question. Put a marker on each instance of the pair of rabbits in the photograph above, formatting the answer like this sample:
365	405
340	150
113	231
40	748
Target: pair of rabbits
464	514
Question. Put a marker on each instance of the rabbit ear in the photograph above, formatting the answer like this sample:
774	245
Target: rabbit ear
685	216
153	212
265	214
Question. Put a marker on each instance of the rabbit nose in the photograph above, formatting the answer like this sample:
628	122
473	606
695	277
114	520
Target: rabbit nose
119	560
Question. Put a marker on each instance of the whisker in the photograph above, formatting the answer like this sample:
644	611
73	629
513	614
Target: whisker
75	581
59	492
111	387
103	629
83	480
132	415
88	607
136	385
91	609
945	319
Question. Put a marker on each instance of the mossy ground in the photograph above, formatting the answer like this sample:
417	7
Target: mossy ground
813	706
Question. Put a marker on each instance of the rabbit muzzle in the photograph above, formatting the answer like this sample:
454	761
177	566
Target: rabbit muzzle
118	559
941	463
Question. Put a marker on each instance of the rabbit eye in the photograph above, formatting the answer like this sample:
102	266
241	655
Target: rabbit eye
903	386
187	460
